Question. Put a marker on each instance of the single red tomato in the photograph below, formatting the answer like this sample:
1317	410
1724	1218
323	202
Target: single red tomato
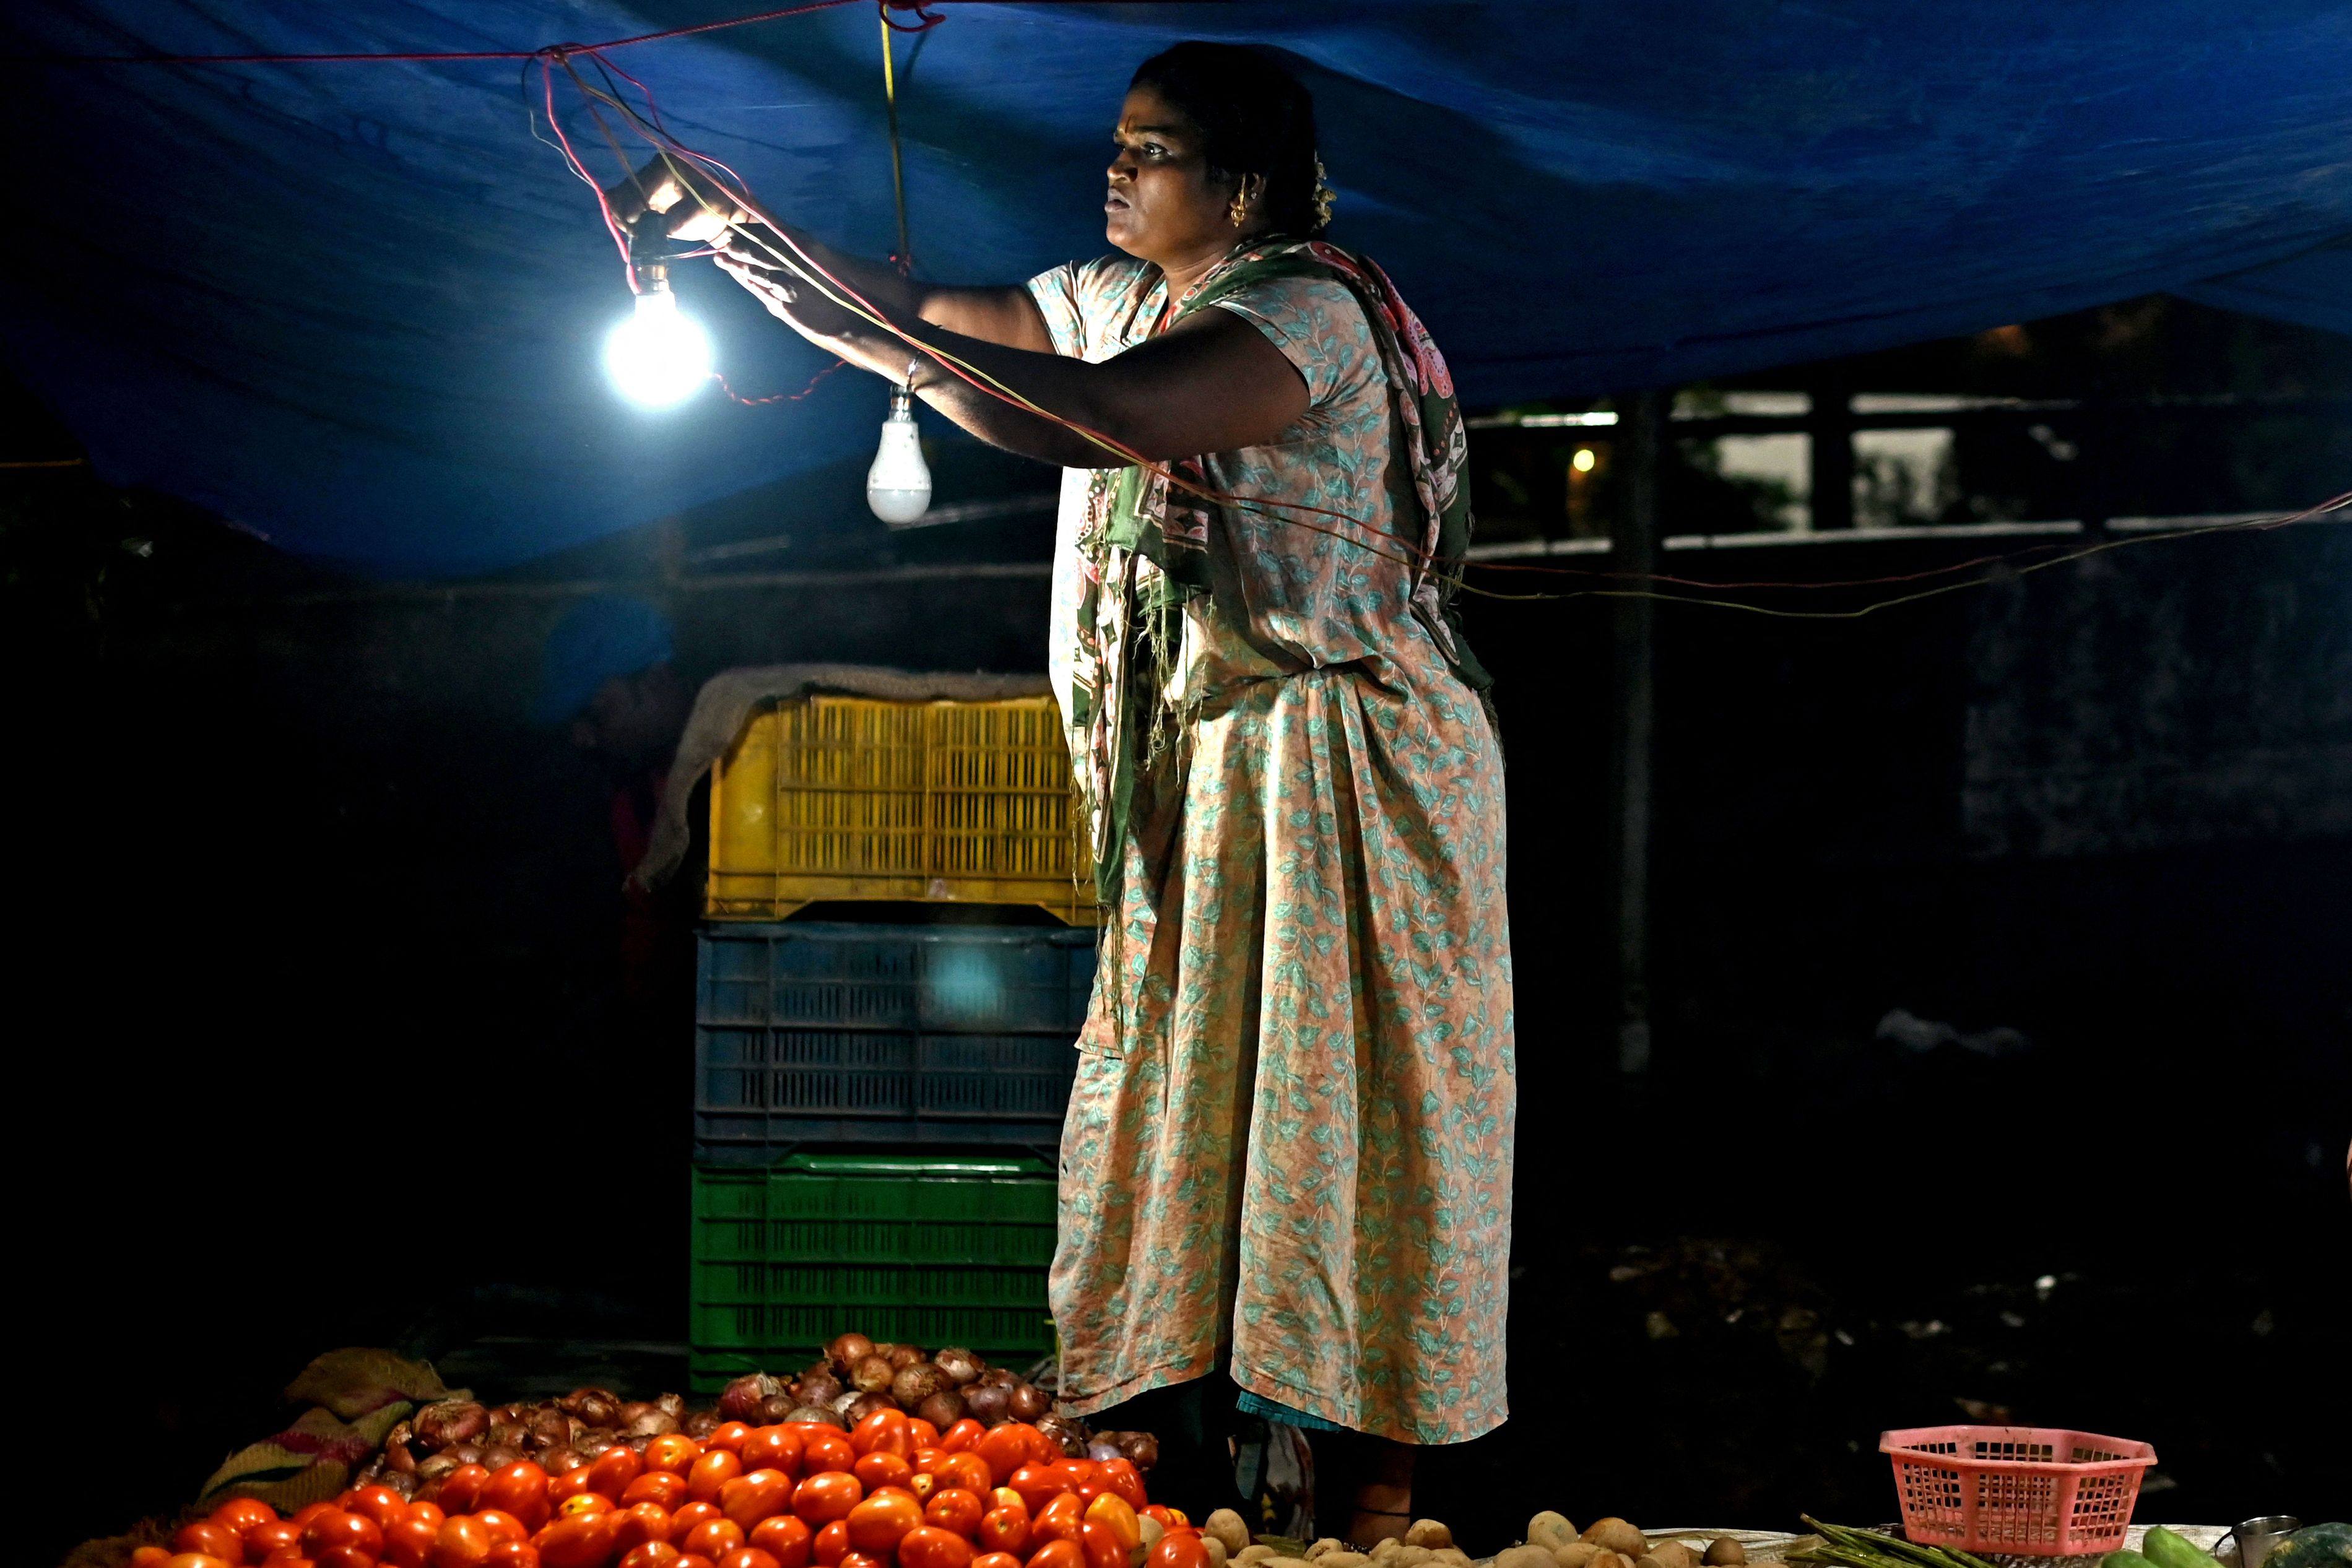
829	1545
380	1503
429	1511
1040	1484
198	1560
519	1490
1004	1449
709	1472
1102	1545
1127	1482
408	1543
308	1511
560	1460
713	1538
748	1557
345	1556
672	1451
968	1472
960	1437
926	1458
240	1514
881	1468
461	1543
883	1432
952	1508
293	1559
996	1560
581	1541
641	1523
773	1449
686	1516
922	1433
655	1486
1005	1530
210	1538
462	1487
728	1437
859	1560
586	1502
1179	1549
826	1496
824	1448
336	1528
1005	1497
1112	1511
652	1554
763	1494
614	1469
689	1560
1059	1520
877	1524
563	1486
927	1546
1057	1554
265	1541
785	1537
513	1554
154	1556
501	1526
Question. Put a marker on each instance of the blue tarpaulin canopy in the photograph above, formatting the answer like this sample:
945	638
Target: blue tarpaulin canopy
357	306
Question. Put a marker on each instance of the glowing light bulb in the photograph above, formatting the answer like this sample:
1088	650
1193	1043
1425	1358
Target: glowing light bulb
898	485
1583	460
659	356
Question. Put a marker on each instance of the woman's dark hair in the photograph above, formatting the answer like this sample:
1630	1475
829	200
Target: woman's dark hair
1256	117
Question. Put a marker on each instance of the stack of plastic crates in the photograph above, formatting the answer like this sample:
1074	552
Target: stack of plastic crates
876	1102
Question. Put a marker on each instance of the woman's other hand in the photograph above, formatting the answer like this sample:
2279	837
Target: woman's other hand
698	214
787	297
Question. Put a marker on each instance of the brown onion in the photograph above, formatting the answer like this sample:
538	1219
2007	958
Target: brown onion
467	1453
551	1428
1028	1403
987	1403
699	1424
1000	1376
779	1406
561	1460
401	1481
847	1350
630	1412
864	1404
427	1491
652	1424
1141	1450
448	1421
512	1411
900	1355
497	1458
597	1407
507	1435
740	1400
960	1365
818	1414
671	1405
433	1467
592	1442
1068	1436
916	1384
817	1388
872	1374
943	1409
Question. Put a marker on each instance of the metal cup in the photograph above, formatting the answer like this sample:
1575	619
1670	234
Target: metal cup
2257	1538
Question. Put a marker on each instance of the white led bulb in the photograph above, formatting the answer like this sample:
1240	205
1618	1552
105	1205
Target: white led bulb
659	356
898	485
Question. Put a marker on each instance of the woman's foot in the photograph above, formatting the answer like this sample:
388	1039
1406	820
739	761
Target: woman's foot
1383	1503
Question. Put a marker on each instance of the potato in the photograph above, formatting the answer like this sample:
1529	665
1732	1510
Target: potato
1454	1555
1675	1554
1606	1559
1615	1534
1409	1557
1152	1530
1529	1556
1550	1531
1428	1533
1388	1547
1252	1553
1284	1562
1227	1527
1328	1543
1723	1553
1576	1554
1215	1548
1344	1558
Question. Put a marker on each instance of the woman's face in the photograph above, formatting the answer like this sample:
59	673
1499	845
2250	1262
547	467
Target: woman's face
1162	206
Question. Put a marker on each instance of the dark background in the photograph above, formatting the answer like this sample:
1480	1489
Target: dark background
319	1042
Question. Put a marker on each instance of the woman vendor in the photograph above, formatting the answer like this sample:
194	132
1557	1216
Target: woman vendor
1287	1158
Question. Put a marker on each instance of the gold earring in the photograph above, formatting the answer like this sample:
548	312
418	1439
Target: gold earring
1238	209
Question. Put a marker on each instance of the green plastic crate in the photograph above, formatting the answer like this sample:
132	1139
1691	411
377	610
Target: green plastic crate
929	1251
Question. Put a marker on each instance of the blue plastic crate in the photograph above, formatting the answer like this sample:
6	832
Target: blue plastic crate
838	1033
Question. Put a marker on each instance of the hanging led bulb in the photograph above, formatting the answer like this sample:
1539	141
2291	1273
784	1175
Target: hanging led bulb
659	356
898	485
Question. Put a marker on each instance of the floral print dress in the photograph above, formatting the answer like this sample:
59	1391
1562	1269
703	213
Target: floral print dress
1288	1149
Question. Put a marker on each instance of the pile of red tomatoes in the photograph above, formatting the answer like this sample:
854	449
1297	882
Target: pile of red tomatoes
896	1492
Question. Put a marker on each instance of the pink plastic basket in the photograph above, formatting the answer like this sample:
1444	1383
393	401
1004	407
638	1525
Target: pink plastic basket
2032	1490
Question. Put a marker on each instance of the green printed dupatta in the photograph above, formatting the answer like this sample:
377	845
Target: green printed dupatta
1128	629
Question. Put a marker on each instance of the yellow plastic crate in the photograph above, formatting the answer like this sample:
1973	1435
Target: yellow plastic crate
853	797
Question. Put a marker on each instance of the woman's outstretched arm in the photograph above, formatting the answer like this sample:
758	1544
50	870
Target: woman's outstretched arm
1211	383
